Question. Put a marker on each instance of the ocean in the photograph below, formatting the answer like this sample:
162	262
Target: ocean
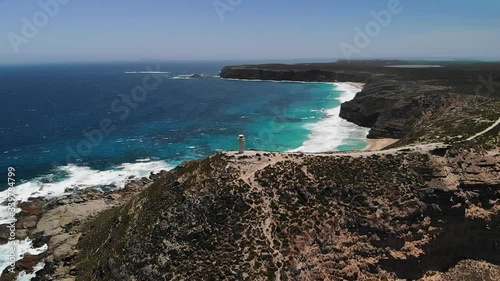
52	116
74	126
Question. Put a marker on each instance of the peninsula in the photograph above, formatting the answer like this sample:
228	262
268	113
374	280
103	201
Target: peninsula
425	208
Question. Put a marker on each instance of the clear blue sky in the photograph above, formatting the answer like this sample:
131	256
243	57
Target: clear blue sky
102	30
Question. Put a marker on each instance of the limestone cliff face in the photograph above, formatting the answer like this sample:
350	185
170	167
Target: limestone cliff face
392	108
394	100
308	75
415	112
269	216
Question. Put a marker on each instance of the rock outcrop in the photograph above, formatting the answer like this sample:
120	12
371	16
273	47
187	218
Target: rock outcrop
58	225
395	100
409	111
270	216
422	214
312	75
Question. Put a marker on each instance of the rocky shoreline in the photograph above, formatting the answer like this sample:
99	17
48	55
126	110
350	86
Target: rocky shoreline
426	215
444	199
57	223
431	213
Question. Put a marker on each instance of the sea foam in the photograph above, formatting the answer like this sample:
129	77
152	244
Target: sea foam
23	276
332	131
77	178
22	247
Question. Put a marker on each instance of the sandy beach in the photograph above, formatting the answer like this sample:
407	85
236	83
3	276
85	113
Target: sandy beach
378	144
358	85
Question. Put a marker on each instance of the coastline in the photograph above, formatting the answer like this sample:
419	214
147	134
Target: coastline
379	144
333	133
54	224
80	180
84	176
373	144
91	202
59	192
94	201
358	85
322	137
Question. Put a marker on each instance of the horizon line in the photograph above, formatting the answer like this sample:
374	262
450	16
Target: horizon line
316	60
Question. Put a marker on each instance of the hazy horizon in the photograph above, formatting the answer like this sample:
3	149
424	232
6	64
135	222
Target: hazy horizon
59	31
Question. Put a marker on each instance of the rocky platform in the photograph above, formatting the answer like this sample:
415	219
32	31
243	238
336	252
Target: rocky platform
58	223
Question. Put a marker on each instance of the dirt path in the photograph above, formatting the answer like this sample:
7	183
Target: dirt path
485	131
248	165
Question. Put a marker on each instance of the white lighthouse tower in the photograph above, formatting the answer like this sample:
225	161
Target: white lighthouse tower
241	144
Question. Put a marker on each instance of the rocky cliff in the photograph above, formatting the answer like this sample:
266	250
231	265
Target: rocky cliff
57	223
395	100
419	112
312	75
415	213
269	216
429	214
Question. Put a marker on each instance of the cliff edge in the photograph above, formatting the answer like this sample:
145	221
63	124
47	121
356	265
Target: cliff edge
418	212
408	103
269	216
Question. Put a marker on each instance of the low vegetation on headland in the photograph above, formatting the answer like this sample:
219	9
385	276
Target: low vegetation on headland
431	213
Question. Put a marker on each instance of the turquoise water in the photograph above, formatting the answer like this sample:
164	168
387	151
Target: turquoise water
52	118
283	128
49	110
352	144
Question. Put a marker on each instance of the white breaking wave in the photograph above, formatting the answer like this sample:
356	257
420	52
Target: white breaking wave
23	276
332	131
183	76
77	178
22	247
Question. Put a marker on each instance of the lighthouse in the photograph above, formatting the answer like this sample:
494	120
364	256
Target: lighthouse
241	144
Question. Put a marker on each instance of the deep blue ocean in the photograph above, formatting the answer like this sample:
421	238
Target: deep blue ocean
53	116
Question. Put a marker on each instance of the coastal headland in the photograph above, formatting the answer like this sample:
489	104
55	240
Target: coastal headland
407	100
425	207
